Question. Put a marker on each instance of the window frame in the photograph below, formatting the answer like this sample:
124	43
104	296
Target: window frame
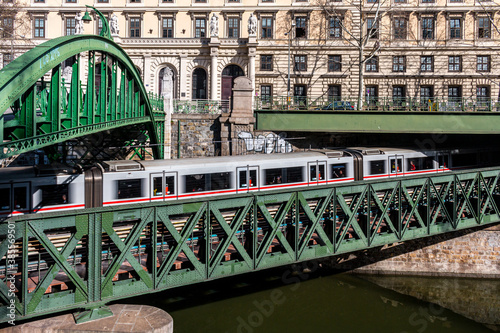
481	30
454	63
424	66
134	31
200	31
233	31
300	62
482	64
266	62
167	31
400	32
336	27
267	32
334	63
372	65
301	22
397	66
68	27
454	32
42	19
426	30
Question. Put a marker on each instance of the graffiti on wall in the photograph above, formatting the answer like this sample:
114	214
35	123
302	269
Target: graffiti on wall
268	144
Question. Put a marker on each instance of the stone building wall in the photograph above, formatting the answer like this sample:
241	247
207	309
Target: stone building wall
469	253
199	135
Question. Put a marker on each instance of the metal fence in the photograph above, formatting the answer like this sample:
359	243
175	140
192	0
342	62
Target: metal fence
199	106
377	104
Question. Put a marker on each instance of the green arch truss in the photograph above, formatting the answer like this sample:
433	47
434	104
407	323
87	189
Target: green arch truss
39	108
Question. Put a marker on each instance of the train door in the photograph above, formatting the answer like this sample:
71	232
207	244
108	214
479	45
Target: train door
317	172
443	162
247	179
15	198
163	186
396	165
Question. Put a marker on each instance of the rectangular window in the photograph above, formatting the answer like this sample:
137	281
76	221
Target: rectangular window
421	163
39	31
334	92
70	1
102	1
400	27
266	93
372	28
483	63
371	65
300	63
158	186
266	27
426	63
135	27
426	95
427	28
129	188
399	1
200	1
167	27
200	26
334	63
7	58
454	63
399	63
454	93
372	1
371	94
455	28
377	167
70	26
7	27
483	27
54	195
483	98
339	171
266	62
301	27
99	25
207	182
233	27
335	27
283	175
428	1
399	95
316	172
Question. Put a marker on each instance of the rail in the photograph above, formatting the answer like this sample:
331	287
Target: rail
434	104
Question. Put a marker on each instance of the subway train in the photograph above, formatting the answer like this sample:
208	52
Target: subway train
25	190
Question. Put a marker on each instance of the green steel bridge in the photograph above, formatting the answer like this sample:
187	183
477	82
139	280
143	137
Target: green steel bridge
83	259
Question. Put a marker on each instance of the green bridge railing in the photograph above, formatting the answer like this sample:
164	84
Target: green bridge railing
435	104
84	259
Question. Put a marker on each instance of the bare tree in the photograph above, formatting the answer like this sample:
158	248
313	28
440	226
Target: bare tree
360	23
14	26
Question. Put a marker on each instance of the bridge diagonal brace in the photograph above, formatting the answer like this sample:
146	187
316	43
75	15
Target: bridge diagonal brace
124	248
315	217
231	237
388	198
352	215
181	245
275	232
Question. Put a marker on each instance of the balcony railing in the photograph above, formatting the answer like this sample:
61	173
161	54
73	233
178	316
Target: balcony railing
378	104
198	106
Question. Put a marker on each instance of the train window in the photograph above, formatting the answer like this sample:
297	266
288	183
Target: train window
396	167
207	182
54	194
422	163
443	161
219	181
283	175
169	186
489	158
460	160
4	198
243	178
20	201
339	170
377	167
130	188
312	172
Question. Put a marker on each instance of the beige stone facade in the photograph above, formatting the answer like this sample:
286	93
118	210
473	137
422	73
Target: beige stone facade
421	49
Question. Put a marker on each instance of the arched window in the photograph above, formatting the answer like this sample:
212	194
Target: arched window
228	75
199	84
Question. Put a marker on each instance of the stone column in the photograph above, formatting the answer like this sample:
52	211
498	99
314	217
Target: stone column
168	106
147	72
241	117
183	75
252	50
214	53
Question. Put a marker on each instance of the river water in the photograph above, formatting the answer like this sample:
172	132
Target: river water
314	300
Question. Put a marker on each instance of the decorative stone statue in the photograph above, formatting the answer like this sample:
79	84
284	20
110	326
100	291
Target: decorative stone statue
113	25
252	25
214	26
78	24
168	83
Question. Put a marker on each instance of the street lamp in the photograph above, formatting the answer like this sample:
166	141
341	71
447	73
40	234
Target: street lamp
289	34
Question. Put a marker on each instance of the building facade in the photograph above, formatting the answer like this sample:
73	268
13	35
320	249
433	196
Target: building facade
420	49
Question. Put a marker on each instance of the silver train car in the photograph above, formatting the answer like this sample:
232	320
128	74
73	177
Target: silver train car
45	189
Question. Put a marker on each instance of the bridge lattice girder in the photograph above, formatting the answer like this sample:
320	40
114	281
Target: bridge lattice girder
83	259
45	112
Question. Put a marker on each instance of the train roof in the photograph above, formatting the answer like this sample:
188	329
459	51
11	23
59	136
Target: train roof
136	165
